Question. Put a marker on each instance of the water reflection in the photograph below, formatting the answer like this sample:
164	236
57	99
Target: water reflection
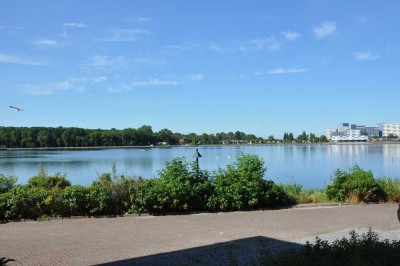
309	165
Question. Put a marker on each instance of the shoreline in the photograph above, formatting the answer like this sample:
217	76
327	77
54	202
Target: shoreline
188	146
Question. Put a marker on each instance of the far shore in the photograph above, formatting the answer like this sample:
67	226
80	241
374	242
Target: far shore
202	145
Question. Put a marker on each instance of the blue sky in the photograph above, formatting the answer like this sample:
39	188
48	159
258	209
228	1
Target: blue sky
262	67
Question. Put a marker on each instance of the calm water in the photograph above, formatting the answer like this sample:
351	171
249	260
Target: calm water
309	165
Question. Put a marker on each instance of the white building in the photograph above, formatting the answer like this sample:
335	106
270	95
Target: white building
349	135
393	128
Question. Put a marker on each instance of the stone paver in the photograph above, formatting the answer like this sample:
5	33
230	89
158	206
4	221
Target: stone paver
161	239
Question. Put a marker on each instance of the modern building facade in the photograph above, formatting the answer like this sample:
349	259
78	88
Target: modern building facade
369	131
347	132
351	135
391	129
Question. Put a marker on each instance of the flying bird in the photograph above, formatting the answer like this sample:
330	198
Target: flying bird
16	108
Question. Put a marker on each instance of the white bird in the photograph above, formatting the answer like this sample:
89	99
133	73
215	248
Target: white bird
16	108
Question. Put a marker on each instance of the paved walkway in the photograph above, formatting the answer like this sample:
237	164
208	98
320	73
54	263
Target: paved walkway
193	239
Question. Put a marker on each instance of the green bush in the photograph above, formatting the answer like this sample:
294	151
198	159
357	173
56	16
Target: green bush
242	186
72	201
49	182
24	202
181	187
122	190
100	197
275	196
143	196
4	205
110	194
6	183
356	185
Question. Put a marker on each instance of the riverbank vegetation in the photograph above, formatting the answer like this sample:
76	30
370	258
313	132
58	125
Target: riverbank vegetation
182	187
60	137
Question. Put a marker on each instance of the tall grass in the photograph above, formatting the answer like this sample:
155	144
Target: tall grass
301	196
391	187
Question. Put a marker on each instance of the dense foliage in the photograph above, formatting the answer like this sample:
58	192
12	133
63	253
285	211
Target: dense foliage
180	187
242	186
36	137
364	249
355	185
44	137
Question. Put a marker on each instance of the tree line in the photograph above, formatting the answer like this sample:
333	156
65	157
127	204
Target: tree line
43	137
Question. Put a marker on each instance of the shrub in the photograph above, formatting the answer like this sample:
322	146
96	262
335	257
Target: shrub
143	196
110	194
122	189
100	197
49	182
4	205
354	186
6	183
181	187
72	201
24	202
242	186
275	195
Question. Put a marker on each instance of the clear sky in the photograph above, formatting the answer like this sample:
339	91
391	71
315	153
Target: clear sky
262	67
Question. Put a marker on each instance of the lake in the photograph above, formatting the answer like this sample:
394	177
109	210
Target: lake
310	165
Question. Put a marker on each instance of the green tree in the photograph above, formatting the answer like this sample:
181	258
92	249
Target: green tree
323	139
43	137
313	138
166	135
68	137
145	135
